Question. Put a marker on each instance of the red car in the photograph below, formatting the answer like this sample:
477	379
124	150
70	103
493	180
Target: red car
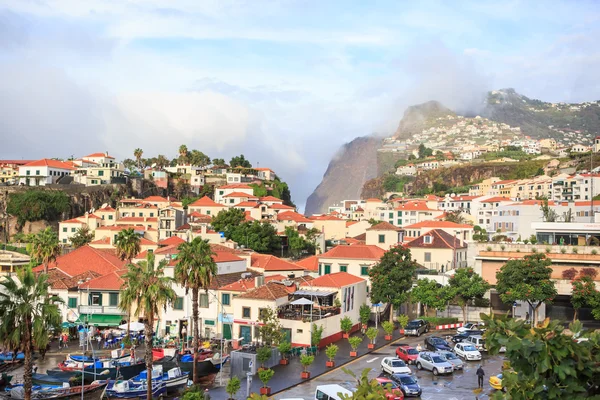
394	392
407	354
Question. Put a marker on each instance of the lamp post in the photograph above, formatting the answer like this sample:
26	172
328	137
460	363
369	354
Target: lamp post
222	337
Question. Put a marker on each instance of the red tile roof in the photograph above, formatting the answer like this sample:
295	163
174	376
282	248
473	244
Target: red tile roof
438	224
353	241
251	204
95	155
269	291
205	202
72	221
173	240
270	198
104	240
292	216
85	259
310	263
440	240
325	218
357	251
46	162
146	242
384	226
495	199
241	194
335	280
243	285
281	207
272	263
414	206
200	218
226	256
373	200
110	281
350	223
156	199
248	217
236	186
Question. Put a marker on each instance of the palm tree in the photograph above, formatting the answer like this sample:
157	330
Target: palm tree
28	311
137	153
194	270
45	247
183	152
146	285
128	246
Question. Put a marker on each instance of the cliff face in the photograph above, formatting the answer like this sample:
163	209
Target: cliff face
418	117
353	165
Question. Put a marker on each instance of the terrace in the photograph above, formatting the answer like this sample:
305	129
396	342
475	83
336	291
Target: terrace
309	305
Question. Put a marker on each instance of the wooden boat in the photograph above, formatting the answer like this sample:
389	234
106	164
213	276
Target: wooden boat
205	367
120	371
129	390
174	379
95	391
9	356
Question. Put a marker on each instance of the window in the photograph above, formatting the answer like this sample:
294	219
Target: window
343	268
364	270
320	269
391	215
73	229
72	302
381	238
221	192
428	239
113	299
225	299
203	300
327	269
28	172
95	299
64	229
178	303
37	171
64	240
245	312
427	256
100	173
110	217
140	214
151	215
207	212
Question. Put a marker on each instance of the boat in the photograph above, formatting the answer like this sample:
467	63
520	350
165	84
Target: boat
205	367
95	391
174	379
7	357
129	390
45	379
102	371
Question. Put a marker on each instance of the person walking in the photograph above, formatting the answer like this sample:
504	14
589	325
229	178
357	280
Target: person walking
480	374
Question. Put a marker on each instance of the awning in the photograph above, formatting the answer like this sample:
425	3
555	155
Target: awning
301	302
67	325
315	293
100	319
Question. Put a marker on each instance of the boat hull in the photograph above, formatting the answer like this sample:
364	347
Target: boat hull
136	393
90	392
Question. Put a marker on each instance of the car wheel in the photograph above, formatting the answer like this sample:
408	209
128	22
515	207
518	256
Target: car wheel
419	366
418	333
435	372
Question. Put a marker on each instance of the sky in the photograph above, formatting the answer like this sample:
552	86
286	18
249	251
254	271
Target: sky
286	83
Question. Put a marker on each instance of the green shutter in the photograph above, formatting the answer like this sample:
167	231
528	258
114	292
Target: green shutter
178	303
381	238
113	299
225	298
343	268
327	269
364	271
320	269
72	302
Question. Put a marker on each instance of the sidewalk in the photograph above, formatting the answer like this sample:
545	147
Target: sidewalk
287	376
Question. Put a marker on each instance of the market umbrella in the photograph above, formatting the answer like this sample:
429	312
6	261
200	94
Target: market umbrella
301	302
134	327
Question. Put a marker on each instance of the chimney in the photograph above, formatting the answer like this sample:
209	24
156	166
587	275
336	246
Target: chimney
259	280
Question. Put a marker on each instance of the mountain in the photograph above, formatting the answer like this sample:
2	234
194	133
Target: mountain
353	165
419	117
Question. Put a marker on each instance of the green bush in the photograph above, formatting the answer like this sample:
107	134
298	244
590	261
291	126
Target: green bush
284	348
563	250
574	250
35	205
233	386
355	341
265	376
371	334
263	354
331	351
306	361
8	247
388	327
346	324
440	320
402	320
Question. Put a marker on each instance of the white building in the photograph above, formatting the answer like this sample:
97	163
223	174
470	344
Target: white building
43	172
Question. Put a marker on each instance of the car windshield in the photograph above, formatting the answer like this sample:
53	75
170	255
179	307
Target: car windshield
408	380
450	356
412	324
398	363
391	383
438	359
469	348
412	351
437	340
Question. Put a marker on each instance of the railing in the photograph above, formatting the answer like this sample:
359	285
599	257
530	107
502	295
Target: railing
306	316
100	310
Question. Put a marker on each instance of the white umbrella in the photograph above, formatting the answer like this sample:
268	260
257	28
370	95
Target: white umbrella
134	327
301	302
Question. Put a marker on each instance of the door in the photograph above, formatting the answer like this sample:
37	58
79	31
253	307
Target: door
246	334
287	335
226	331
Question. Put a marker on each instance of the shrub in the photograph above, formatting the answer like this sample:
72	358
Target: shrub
533	239
233	386
371	334
548	249
402	320
563	250
365	314
489	248
575	250
262	355
518	250
388	327
502	247
569	274
355	341
284	348
533	250
591	272
331	351
346	324
526	241
481	302
34	205
265	376
316	334
594	252
306	361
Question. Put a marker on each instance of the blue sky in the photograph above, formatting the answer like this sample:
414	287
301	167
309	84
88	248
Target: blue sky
284	82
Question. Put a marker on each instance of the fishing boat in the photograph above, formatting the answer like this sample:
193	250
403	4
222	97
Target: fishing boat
129	390
205	367
95	391
174	379
9	356
98	372
49	380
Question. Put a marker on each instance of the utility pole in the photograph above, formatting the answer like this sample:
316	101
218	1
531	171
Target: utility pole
592	187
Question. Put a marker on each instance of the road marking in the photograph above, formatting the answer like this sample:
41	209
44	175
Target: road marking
373	359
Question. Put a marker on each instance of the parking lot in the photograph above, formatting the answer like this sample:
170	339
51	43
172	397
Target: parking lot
457	386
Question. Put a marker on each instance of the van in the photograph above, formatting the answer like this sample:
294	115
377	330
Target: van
478	341
330	392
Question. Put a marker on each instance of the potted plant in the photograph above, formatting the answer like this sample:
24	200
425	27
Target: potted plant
364	313
354	343
233	386
265	376
346	326
306	361
330	352
402	321
388	327
337	303
371	334
262	356
284	348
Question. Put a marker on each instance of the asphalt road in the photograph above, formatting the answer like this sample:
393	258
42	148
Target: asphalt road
458	386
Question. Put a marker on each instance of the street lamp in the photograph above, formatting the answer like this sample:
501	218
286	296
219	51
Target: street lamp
222	338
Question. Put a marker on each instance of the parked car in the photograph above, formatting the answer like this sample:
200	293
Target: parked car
452	359
436	343
331	392
393	391
471	326
407	354
408	384
434	362
463	335
479	342
393	365
416	327
467	351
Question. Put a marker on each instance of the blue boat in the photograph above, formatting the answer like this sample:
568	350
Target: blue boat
129	390
174	379
8	356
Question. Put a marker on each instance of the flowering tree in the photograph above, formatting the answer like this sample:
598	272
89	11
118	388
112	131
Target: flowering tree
584	291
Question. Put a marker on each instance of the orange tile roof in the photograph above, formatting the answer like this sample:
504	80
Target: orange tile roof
440	240
225	256
243	285
373	200
269	291
104	240
147	242
110	281
495	199
241	194
325	218
46	162
334	280
272	263
84	259
463	198
219	247
281	207
156	199
357	251
59	280
137	219
353	241
72	221
359	209
431	197
292	216
236	186
197	217
350	223
248	217
251	204
206	202
95	155
121	227
173	240
438	224
310	263
414	206
270	198
384	226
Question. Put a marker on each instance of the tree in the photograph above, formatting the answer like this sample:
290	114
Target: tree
584	293
207	190
366	389
260	236
480	234
239	161
28	312
233	386
146	283
391	278
195	270
137	153
227	220
296	243
271	330
196	157
526	279
316	334
364	313
162	161
424	152
35	205
45	247
82	237
182	188
547	363
430	294
127	244
455	216
466	285
218	162
548	214
183	153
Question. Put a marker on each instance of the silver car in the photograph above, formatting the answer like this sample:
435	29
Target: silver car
453	359
433	362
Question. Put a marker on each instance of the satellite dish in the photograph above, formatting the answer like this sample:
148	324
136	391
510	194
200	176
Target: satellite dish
104	205
153	165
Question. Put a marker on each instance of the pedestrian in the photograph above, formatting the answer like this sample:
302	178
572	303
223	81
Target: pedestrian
60	340
480	374
99	339
419	348
206	395
65	341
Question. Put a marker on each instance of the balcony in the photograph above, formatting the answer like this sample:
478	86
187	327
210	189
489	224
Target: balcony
100	310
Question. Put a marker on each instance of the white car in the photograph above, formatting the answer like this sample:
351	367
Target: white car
471	326
467	351
393	365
